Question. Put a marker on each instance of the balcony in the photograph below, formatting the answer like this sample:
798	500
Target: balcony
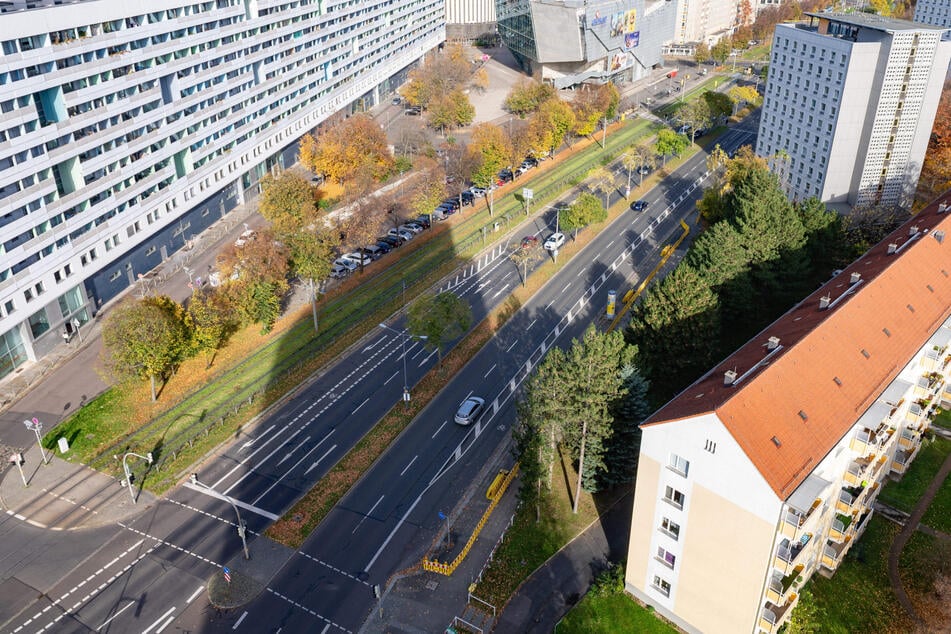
788	554
848	498
903	459
795	524
840	528
864	442
774	616
857	472
832	553
777	592
910	439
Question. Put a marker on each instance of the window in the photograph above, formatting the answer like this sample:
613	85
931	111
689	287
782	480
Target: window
39	323
661	586
678	464
674	497
670	528
666	557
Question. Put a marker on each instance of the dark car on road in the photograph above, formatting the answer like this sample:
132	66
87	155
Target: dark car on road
639	205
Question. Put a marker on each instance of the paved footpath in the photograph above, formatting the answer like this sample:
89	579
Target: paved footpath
911	525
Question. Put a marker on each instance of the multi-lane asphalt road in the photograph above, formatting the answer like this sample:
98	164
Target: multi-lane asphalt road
147	575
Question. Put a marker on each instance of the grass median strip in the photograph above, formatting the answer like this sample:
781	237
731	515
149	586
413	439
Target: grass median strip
297	523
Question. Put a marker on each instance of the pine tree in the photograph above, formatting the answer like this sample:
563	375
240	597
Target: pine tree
629	410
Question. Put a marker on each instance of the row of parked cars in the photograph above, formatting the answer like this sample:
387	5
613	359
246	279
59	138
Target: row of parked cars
394	238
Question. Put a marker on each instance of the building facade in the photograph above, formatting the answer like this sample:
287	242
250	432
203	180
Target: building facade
764	471
469	19
935	12
126	127
568	42
849	105
704	20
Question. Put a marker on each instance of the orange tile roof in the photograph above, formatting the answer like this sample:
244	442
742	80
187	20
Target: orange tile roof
831	364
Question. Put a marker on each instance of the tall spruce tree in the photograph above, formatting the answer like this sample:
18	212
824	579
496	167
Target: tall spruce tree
629	410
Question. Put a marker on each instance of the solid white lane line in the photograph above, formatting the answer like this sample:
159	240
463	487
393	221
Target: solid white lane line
368	514
489	372
440	428
248	457
499	292
547	306
395	374
566	287
423	362
106	622
291	469
360	405
195	594
240	618
531	324
509	349
406	468
159	621
291	452
313	466
166	624
583	270
263	460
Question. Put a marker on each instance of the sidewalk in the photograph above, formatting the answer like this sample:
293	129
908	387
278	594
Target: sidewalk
55	386
66	496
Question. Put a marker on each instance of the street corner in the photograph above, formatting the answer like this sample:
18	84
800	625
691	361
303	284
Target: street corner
49	492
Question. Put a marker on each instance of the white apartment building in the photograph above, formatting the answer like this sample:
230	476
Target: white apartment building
466	19
936	12
849	105
704	20
765	470
128	126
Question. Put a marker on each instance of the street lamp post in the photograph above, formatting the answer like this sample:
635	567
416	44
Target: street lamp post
403	337
128	474
36	426
230	500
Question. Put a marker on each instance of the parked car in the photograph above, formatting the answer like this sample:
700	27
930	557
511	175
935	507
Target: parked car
468	198
373	251
411	227
385	247
450	202
401	233
397	101
639	205
644	169
554	241
469	410
338	271
529	242
358	257
531	161
445	210
413	111
477	191
521	169
393	241
350	265
505	176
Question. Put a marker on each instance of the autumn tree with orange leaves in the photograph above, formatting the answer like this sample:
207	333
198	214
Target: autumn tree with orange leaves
347	148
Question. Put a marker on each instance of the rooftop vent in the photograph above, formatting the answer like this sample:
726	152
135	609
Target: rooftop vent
913	230
824	302
776	441
772	342
939	236
729	377
854	279
892	247
942	208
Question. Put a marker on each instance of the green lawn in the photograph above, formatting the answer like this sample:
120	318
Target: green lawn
905	493
613	614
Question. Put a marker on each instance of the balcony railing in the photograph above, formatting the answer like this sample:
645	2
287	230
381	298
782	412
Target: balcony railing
840	528
909	439
788	553
773	616
833	552
847	498
796	524
777	592
857	471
